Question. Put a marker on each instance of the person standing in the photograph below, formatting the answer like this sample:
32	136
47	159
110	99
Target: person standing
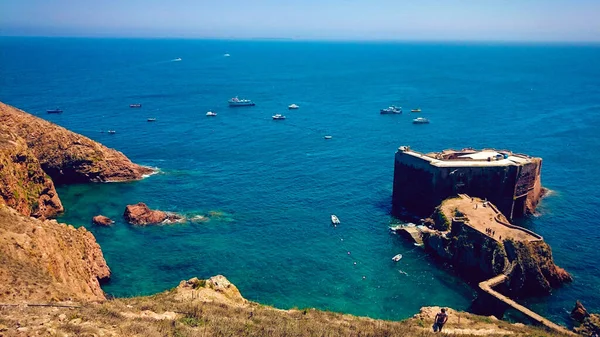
440	319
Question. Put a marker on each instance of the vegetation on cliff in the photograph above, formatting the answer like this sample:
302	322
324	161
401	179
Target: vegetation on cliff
68	157
215	307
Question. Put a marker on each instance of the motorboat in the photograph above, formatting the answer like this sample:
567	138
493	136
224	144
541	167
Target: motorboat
177	59
278	116
235	102
112	132
335	220
293	106
151	119
54	111
137	105
416	110
397	258
392	109
328	137
226	55
420	120
210	113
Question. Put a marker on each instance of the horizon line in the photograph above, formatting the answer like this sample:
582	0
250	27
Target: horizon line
305	39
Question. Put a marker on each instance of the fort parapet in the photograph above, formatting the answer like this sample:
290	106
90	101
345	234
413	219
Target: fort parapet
511	181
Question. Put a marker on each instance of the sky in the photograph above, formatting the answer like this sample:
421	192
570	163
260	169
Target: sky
437	20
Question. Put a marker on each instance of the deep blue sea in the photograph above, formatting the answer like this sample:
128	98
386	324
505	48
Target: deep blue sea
272	185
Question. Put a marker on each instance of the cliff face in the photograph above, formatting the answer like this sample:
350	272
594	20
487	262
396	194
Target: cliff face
24	186
479	257
47	261
68	157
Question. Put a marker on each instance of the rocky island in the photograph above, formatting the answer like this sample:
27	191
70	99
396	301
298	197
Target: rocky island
50	273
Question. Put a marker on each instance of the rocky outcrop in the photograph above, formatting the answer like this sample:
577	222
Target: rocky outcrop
24	186
48	261
534	271
479	257
586	324
140	214
68	157
579	313
102	220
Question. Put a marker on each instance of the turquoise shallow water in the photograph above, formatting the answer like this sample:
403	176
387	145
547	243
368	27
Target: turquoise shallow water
275	183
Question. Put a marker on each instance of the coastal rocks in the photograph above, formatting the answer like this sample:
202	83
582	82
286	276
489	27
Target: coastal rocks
68	157
579	314
141	214
23	184
477	256
217	288
534	271
587	324
48	261
102	220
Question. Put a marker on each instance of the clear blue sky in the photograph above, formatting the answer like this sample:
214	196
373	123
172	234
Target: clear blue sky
513	20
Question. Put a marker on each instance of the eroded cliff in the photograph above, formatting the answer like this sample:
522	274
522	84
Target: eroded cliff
48	261
24	186
68	157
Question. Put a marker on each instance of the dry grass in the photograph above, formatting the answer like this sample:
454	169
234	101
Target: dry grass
197	318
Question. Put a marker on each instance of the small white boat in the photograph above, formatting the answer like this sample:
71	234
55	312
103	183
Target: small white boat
151	119
293	106
177	59
226	55
420	120
335	220
416	110
210	113
112	132
278	116
397	258
328	137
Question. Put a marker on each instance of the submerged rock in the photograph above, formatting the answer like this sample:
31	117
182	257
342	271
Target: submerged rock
141	214
102	220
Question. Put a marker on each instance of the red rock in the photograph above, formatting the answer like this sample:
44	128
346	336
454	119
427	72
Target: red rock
102	220
579	313
140	214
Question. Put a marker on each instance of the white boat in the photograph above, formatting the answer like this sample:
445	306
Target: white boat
335	220
112	132
235	101
278	116
210	113
293	106
226	55
392	109
397	258
177	59
416	110
327	137
420	120
151	119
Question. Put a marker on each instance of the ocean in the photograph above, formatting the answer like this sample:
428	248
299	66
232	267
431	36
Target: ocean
270	186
